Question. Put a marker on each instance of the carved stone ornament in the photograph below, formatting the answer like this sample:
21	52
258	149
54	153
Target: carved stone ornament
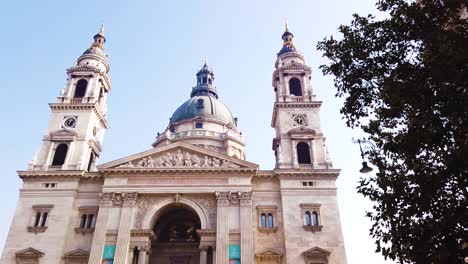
117	199
130	199
234	198
106	199
223	197
207	203
180	160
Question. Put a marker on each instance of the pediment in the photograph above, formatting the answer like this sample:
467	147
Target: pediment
83	68
62	134
77	253
316	253
269	253
29	252
178	155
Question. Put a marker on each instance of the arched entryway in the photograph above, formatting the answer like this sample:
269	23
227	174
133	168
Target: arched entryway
176	240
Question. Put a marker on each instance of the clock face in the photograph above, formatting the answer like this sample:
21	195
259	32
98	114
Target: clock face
299	121
70	122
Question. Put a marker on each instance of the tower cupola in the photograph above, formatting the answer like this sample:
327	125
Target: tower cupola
95	55
288	45
205	78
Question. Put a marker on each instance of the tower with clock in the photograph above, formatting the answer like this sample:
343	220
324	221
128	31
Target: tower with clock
299	142
78	121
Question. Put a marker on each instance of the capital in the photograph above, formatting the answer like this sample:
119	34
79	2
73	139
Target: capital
130	199
223	198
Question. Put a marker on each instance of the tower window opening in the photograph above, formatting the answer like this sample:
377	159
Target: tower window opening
263	220
303	153
83	221
295	87
38	218
270	220
307	218
80	89
204	80
92	158
209	80
60	155
198	125
315	220
44	219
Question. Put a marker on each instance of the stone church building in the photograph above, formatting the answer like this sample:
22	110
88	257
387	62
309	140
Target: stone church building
192	198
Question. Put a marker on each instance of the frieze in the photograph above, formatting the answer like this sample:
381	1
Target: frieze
180	160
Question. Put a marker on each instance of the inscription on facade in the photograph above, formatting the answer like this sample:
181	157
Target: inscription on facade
182	181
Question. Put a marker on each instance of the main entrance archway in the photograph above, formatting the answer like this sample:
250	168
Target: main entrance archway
176	240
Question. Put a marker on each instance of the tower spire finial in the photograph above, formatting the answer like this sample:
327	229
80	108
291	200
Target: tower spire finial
286	29
101	30
206	60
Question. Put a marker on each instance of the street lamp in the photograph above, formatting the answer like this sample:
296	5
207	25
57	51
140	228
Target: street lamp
365	168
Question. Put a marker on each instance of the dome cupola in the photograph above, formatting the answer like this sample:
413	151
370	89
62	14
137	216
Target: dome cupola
95	55
288	45
203	120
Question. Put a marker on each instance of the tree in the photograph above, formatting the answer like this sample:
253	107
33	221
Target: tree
404	81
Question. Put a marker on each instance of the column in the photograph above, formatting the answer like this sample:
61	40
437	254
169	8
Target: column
214	255
222	227
123	237
144	252
203	254
100	230
246	229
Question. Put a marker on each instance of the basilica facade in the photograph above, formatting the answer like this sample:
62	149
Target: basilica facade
192	198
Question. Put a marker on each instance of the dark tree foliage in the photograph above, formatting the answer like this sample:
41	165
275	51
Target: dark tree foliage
404	81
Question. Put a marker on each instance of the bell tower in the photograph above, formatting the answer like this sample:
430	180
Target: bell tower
73	140
299	142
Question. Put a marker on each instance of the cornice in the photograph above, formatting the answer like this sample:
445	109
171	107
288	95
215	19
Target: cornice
60	175
276	105
314	173
179	170
81	106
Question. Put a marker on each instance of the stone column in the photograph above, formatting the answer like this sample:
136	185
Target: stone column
123	237
246	229
214	255
222	227
100	230
203	254
144	254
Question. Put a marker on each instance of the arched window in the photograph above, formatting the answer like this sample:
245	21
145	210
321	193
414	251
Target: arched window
303	153
270	220
38	218
90	221
92	157
263	220
315	221
295	87
44	219
83	221
60	154
307	218
80	88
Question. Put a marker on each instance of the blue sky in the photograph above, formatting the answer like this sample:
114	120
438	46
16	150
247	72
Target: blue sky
155	49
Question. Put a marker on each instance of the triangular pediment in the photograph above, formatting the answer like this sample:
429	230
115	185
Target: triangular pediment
29	252
77	253
62	134
269	253
177	155
316	253
83	68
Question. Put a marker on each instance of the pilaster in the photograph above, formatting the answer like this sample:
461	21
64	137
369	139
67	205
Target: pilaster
222	227
123	237
100	231
247	246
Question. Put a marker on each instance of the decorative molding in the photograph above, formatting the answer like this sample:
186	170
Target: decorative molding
313	228
223	198
267	229
84	231
316	254
29	255
37	229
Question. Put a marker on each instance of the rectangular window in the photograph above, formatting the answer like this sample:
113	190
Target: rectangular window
234	254
87	219
40	218
267	218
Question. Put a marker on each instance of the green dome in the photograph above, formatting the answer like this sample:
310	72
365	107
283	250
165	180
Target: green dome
205	106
